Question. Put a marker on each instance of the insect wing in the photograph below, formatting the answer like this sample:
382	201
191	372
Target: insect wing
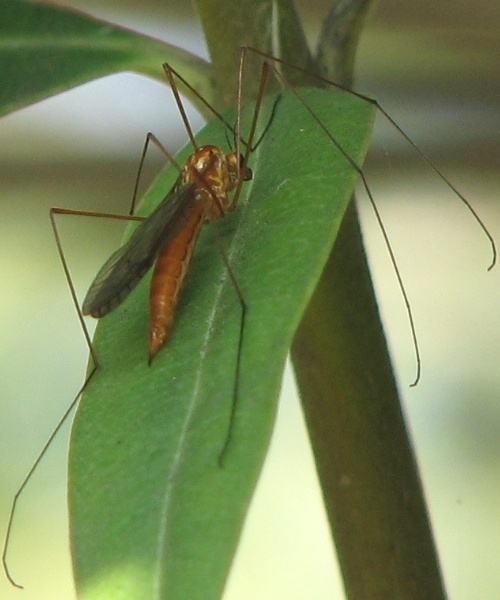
125	268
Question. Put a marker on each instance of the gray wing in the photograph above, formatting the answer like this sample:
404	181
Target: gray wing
125	268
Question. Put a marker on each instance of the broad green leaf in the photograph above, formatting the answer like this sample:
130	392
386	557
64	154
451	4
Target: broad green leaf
153	514
45	49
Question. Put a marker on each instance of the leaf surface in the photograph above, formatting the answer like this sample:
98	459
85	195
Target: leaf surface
153	515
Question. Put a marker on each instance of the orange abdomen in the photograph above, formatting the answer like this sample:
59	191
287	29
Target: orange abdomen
168	276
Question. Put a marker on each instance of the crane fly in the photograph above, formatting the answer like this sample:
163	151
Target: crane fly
168	236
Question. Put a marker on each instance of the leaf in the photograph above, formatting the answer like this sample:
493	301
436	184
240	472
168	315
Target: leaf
46	49
153	515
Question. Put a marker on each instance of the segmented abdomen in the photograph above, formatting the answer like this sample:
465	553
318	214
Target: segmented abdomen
168	276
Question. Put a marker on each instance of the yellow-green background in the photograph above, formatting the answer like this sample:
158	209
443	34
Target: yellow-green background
434	66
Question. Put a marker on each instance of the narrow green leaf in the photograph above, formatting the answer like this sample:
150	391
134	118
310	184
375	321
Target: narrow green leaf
46	49
153	515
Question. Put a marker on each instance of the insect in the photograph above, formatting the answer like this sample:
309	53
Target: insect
197	182
168	237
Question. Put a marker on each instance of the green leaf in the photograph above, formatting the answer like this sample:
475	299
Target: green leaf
153	514
45	49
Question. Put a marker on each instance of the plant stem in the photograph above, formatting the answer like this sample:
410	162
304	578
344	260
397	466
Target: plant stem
364	458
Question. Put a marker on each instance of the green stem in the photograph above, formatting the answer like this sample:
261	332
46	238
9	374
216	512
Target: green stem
243	23
366	467
364	458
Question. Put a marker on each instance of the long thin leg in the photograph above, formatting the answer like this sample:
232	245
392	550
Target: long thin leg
380	222
150	139
66	211
28	476
398	128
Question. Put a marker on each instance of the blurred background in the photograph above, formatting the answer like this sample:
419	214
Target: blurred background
434	67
